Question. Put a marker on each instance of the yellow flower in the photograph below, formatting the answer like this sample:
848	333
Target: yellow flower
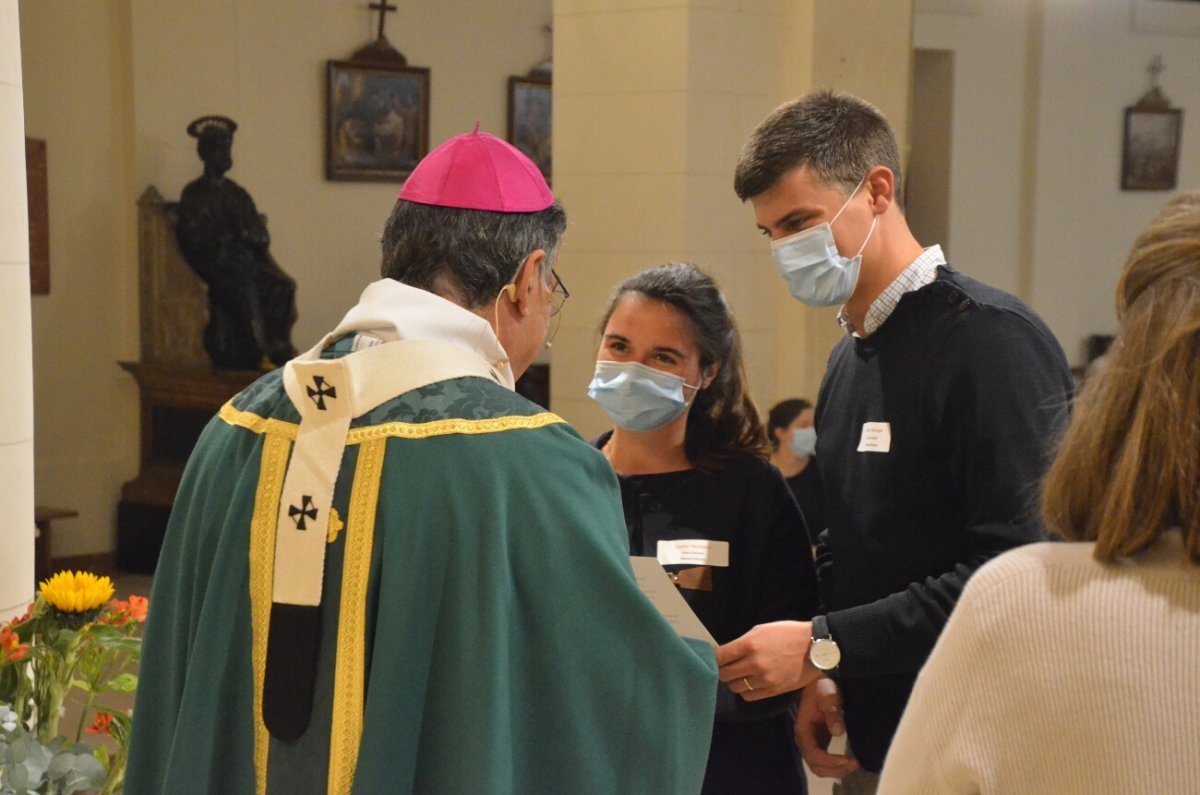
76	592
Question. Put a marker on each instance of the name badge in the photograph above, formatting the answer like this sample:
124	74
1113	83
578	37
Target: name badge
876	437
696	552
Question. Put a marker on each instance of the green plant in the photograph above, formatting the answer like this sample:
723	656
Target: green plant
73	639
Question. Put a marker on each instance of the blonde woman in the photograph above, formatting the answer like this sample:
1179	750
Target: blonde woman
1075	668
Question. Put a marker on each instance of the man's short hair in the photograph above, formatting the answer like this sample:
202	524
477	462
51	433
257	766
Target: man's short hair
838	136
466	255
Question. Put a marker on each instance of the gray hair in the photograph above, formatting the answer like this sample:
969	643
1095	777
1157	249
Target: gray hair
837	135
466	255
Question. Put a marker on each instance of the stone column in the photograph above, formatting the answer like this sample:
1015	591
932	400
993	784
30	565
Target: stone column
16	355
653	101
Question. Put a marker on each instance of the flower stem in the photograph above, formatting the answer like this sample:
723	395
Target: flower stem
116	771
83	715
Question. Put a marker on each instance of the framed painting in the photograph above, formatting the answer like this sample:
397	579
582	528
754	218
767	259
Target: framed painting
529	105
377	120
38	194
1150	156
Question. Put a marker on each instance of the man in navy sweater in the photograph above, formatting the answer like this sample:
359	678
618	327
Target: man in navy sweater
934	422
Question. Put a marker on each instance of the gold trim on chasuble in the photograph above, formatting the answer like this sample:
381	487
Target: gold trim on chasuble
347	718
346	724
262	565
400	430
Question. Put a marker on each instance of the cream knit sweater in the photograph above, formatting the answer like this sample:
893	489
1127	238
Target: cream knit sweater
1057	674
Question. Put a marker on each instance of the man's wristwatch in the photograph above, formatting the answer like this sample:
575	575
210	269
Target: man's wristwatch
824	652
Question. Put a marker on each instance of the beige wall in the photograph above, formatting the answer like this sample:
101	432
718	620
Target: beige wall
1039	97
77	97
112	86
653	102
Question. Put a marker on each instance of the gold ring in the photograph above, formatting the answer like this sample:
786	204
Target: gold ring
749	686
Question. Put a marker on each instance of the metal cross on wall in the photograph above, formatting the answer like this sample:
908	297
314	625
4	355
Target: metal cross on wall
383	7
1155	69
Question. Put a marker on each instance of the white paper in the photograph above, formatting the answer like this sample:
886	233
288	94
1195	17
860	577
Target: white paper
694	552
654	582
876	437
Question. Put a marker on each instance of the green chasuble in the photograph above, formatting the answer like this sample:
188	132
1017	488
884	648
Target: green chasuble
481	629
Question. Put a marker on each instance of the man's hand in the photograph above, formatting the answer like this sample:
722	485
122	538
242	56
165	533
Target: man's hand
768	660
818	720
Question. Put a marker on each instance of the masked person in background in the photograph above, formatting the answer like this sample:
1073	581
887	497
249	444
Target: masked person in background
793	442
699	495
381	571
934	420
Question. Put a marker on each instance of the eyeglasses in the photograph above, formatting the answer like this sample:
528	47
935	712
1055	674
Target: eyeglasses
560	294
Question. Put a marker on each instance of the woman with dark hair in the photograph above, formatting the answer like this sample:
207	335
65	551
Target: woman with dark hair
690	453
1072	667
793	442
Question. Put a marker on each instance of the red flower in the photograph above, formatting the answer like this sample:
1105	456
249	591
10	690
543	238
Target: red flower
11	647
100	723
17	622
121	613
117	614
137	607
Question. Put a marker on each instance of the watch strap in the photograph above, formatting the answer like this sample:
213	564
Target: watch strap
820	628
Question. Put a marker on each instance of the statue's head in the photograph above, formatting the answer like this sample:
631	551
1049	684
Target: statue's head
214	142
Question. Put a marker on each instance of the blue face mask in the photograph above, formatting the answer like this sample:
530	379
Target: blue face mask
637	397
816	272
803	442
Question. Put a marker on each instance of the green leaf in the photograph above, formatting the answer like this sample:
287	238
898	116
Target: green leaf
82	685
60	765
38	763
101	755
85	773
18	751
17	777
125	683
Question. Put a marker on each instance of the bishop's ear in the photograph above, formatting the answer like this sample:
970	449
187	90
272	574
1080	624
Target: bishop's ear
529	275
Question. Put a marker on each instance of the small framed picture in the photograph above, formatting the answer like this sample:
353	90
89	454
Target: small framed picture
529	105
1150	160
36	184
377	120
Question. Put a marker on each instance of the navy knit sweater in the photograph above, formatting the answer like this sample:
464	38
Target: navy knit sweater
973	388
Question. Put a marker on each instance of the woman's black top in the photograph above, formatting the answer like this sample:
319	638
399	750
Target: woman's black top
806	488
770	577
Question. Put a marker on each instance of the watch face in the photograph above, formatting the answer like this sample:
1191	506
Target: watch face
825	654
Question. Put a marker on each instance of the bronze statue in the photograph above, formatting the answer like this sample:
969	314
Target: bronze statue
251	301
